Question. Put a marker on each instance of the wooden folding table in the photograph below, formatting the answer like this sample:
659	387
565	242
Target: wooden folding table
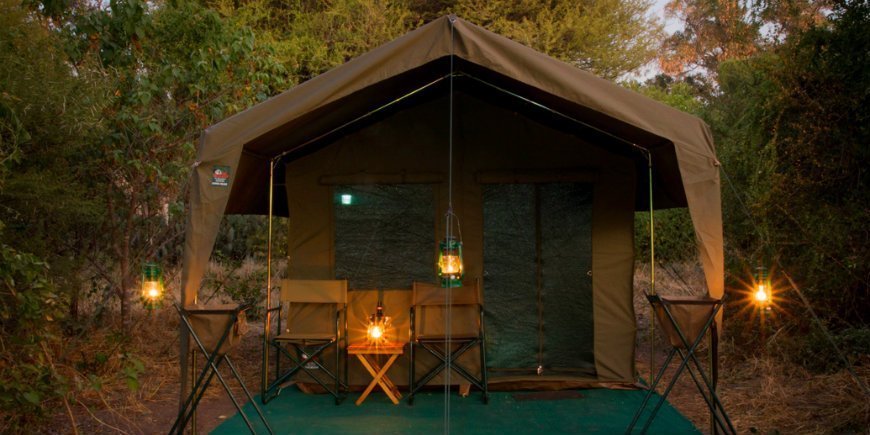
367	355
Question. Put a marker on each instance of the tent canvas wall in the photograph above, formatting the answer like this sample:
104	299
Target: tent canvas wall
494	148
529	129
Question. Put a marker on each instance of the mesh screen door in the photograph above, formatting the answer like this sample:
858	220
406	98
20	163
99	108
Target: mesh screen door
384	235
537	255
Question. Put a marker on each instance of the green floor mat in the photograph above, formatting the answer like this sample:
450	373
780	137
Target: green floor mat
593	411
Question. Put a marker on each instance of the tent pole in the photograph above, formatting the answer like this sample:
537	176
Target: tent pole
652	270
267	329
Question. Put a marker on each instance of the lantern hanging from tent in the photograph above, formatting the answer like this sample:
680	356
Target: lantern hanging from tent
152	284
378	325
450	266
763	287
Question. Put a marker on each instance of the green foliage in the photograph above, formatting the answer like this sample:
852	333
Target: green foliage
29	309
242	237
674	233
795	123
674	236
238	281
607	37
813	350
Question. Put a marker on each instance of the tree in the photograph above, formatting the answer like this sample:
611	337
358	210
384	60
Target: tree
607	37
792	127
174	70
715	31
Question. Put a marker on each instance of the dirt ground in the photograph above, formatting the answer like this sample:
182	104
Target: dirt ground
761	394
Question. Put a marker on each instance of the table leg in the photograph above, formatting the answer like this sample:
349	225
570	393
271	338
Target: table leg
386	383
378	373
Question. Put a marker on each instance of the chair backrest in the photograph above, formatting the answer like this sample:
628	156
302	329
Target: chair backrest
427	294
311	305
314	291
430	305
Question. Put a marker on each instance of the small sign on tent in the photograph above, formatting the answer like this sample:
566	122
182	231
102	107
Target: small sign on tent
220	176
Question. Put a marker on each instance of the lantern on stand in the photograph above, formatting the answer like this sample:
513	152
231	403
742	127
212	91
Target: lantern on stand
450	262
378	325
152	285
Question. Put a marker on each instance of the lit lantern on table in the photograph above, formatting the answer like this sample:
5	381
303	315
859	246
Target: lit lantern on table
378	325
152	284
450	263
763	287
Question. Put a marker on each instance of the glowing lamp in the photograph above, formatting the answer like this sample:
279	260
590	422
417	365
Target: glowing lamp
762	287
450	263
378	324
346	199
152	284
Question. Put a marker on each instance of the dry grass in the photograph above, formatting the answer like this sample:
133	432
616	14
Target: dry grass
761	392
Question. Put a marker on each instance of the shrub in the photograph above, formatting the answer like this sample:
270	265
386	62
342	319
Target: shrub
30	308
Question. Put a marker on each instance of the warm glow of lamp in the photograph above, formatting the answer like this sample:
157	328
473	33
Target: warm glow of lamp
378	324
761	294
450	263
152	284
762	287
376	332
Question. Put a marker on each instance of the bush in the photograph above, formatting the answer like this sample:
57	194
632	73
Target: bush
30	308
239	281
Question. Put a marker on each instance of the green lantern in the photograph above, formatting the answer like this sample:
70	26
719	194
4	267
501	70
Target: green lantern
152	284
763	286
450	262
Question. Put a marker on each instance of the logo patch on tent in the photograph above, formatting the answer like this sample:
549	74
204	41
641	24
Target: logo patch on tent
220	176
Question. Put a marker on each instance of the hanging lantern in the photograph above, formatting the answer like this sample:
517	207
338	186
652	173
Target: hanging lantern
152	284
378	325
450	263
763	287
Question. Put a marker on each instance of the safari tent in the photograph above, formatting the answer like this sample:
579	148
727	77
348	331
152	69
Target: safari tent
548	166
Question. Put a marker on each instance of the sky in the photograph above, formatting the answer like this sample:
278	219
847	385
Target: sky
658	8
671	25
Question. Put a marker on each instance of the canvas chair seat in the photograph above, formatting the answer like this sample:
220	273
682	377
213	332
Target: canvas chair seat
443	337
309	337
209	326
689	312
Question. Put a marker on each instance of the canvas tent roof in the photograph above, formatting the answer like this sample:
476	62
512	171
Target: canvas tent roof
681	145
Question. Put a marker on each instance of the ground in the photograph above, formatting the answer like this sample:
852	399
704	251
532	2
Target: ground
761	393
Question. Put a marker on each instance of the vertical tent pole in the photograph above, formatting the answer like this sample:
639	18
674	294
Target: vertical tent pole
448	321
652	270
268	327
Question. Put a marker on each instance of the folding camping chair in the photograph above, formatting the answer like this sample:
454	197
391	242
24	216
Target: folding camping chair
465	331
308	306
215	330
685	318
